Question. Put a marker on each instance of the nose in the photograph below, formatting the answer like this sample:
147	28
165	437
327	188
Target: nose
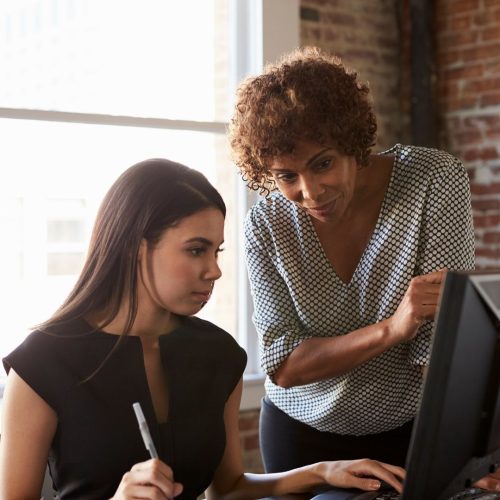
311	188
213	272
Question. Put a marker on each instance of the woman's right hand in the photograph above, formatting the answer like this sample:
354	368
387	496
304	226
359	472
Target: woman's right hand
152	480
419	304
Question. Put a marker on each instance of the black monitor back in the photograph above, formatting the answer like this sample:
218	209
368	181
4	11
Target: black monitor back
456	436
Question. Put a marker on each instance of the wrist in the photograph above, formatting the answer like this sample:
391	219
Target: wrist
390	334
319	473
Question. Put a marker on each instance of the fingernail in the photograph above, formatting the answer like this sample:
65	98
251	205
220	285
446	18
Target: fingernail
375	485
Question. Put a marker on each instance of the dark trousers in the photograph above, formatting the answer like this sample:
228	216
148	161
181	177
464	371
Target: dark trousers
287	443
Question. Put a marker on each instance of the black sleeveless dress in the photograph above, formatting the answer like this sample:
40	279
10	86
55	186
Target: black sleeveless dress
97	439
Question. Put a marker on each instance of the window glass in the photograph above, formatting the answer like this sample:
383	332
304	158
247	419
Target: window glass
52	179
149	58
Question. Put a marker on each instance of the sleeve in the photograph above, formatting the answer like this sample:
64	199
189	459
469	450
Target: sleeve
38	364
275	318
447	236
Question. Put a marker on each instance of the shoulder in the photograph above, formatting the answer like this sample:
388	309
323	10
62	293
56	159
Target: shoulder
269	209
428	162
211	340
37	345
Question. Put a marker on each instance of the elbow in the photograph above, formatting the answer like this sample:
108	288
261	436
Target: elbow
283	378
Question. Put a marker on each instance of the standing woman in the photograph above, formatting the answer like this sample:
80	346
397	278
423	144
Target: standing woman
126	334
345	260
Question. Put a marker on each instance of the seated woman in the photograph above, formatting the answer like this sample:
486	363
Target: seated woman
126	333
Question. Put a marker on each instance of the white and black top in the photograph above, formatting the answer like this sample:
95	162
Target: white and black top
425	224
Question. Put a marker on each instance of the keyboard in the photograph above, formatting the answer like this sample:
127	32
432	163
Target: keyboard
469	493
391	494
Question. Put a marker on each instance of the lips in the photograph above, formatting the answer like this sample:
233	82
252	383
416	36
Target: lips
203	296
321	210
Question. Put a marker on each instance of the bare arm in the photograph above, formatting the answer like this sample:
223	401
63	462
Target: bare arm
231	483
319	358
28	426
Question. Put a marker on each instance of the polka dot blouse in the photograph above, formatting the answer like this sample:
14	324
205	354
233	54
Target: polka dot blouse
425	223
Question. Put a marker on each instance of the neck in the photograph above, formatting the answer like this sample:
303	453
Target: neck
147	324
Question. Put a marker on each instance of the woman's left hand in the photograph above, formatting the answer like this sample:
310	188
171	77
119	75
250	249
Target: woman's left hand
364	474
491	482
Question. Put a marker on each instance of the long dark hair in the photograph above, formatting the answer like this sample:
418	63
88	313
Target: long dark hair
145	200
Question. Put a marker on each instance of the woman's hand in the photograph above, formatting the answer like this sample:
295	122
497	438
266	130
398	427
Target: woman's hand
419	304
491	482
152	480
364	474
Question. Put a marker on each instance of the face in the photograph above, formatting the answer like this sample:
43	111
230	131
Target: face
178	273
317	178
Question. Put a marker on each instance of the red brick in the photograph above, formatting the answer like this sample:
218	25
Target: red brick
458	23
491	3
489	34
251	442
491	237
482	221
468	136
446	58
481	52
448	89
305	3
492	253
453	104
490	100
493	68
464	5
339	19
493	188
493	134
465	72
457	38
482	18
486	153
249	422
482	85
482	121
486	204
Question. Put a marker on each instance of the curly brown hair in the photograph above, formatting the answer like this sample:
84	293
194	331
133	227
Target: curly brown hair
308	95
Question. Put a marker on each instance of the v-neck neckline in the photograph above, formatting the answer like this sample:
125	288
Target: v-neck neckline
381	215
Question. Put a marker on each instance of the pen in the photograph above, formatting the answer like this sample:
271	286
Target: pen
143	426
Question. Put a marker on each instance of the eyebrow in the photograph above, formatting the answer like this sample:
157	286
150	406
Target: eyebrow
317	155
205	241
311	160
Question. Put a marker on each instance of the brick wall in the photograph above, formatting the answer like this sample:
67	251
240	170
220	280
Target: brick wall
468	64
249	439
365	34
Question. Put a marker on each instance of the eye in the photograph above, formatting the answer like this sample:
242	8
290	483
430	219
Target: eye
285	177
323	164
197	251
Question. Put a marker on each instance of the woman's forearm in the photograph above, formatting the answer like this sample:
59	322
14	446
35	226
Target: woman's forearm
319	358
251	486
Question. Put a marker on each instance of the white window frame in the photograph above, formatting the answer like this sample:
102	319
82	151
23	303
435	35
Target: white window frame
263	30
260	31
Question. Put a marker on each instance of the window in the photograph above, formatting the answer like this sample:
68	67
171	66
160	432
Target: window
90	88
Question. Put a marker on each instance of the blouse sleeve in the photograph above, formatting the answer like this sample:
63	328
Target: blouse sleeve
274	316
447	236
37	361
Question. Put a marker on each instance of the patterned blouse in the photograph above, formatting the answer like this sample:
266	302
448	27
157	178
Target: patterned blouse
425	223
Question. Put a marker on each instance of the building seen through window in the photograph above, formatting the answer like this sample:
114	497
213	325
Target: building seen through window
102	85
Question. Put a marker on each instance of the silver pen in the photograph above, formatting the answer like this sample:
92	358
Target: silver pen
143	426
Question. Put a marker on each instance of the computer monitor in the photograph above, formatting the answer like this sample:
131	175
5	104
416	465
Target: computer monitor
456	435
